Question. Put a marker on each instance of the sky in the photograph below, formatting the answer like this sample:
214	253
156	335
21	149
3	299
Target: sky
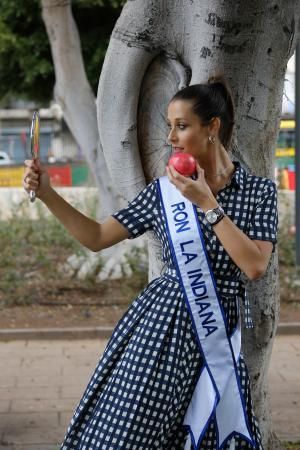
288	99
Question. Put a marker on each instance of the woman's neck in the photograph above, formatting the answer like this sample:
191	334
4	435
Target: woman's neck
218	167
215	162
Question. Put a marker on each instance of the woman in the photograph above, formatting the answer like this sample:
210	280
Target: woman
143	393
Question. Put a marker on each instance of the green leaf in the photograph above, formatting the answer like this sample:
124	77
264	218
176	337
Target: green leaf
26	67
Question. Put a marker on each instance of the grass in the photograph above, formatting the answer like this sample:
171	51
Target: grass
31	251
292	445
289	273
287	247
32	254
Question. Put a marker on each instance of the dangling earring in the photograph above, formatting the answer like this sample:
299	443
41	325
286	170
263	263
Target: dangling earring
211	139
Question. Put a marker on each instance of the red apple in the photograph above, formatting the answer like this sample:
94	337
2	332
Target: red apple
184	163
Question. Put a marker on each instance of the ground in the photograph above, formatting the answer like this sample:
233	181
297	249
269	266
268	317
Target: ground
70	303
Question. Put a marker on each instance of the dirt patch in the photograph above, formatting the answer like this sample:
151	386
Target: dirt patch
68	303
59	316
289	312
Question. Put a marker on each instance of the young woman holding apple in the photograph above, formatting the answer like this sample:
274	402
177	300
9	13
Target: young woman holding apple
172	375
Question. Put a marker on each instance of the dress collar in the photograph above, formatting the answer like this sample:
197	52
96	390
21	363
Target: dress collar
239	176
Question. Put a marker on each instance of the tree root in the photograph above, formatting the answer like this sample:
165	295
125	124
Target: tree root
111	264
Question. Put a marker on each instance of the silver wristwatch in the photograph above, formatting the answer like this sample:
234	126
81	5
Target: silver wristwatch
213	216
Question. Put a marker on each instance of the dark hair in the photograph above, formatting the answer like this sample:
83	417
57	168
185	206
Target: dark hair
212	99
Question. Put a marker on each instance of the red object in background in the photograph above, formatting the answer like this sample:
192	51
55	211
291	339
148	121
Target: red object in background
184	163
23	137
292	180
60	175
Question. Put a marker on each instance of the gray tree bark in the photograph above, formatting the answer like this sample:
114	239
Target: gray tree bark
159	46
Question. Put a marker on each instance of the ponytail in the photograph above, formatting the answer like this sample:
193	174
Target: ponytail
210	100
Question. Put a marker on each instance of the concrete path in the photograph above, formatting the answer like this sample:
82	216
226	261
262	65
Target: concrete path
42	381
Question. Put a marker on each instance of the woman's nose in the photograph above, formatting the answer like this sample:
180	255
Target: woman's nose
172	135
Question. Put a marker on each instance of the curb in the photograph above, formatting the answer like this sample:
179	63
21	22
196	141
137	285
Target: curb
288	328
74	333
77	333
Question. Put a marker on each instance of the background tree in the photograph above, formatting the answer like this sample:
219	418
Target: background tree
162	45
26	67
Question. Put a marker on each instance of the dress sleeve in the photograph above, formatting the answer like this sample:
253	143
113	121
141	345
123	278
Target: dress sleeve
264	220
138	216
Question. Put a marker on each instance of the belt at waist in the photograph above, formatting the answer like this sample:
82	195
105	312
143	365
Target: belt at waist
226	285
171	274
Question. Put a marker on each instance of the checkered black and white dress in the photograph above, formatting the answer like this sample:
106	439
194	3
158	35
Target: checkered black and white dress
141	388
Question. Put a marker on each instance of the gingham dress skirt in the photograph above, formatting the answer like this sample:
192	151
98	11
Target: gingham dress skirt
141	388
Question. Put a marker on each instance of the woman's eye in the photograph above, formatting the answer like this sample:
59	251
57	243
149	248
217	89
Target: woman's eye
181	126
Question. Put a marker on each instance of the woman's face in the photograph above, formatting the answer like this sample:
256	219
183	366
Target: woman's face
187	134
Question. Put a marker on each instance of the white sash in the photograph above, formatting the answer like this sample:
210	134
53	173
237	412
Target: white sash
217	393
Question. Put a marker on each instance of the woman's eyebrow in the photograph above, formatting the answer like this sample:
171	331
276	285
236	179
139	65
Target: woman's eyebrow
177	118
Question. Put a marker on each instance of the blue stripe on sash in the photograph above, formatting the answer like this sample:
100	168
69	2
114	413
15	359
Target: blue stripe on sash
212	415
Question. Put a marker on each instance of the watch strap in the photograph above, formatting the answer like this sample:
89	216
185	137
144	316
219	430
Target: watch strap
218	219
219	213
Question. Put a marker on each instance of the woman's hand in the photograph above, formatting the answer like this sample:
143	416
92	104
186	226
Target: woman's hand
36	178
197	191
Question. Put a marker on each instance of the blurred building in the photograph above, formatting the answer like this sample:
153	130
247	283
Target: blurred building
59	151
56	142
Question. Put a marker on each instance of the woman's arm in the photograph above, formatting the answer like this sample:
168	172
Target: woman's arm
251	256
88	232
93	235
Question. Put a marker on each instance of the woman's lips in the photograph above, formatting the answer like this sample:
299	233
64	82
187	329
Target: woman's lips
177	149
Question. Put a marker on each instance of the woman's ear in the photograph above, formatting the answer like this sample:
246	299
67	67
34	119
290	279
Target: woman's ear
214	126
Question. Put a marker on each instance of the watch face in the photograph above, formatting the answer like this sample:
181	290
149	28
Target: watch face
211	217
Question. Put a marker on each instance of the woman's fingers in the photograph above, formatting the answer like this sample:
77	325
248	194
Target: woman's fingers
175	174
29	183
175	177
200	171
31	176
171	175
31	164
31	179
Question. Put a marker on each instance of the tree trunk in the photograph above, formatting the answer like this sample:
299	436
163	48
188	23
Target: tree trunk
164	44
74	93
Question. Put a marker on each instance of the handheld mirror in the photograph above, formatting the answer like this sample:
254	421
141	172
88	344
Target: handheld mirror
34	143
